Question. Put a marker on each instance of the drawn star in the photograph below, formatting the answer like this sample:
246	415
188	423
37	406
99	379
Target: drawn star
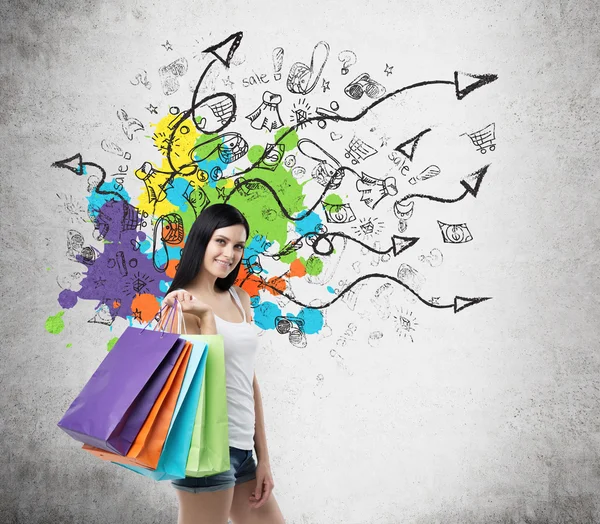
228	83
221	193
325	85
152	109
388	69
435	300
100	282
167	46
384	140
137	314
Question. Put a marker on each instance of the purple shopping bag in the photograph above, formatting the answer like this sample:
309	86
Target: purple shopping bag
113	405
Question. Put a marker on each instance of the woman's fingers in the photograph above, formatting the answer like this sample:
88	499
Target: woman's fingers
183	297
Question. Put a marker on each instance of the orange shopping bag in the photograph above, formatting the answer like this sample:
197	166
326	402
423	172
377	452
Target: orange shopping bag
147	446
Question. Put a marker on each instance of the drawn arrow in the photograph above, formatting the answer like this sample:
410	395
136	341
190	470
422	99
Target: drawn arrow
458	304
399	243
76	165
471	183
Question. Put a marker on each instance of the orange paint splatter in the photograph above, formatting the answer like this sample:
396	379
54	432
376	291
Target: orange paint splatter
252	284
277	283
297	268
144	307
171	268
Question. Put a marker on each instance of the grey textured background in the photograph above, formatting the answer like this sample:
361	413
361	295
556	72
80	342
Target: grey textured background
492	415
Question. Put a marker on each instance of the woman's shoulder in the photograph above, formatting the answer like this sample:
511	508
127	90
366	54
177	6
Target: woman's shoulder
241	292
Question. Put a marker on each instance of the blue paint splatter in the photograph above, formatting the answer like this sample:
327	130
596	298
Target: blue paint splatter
309	224
175	196
313	320
265	314
258	245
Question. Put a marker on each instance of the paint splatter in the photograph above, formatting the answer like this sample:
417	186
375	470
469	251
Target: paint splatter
314	265
110	344
55	323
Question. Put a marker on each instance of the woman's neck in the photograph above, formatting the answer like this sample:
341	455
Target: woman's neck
204	286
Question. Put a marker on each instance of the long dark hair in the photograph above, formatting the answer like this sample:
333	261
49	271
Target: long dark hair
211	218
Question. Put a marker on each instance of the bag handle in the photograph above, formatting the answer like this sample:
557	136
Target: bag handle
169	319
176	315
180	318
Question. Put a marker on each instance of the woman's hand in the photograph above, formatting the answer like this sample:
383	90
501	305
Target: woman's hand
264	485
189	303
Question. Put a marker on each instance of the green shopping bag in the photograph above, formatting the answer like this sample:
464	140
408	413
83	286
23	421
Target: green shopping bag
209	448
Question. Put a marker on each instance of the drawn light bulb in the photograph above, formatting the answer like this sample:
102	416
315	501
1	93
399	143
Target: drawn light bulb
277	62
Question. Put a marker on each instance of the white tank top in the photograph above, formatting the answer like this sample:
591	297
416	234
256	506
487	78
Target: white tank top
240	340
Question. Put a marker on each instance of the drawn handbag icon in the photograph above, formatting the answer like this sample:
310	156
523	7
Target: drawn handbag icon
328	168
302	79
364	84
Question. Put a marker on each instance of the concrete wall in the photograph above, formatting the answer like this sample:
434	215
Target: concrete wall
485	415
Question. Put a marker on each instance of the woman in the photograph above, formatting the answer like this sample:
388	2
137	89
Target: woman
210	303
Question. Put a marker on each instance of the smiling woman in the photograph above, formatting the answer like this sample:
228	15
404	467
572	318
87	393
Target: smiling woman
203	285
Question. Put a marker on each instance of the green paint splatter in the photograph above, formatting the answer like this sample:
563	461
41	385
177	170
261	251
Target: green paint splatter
289	258
255	152
48	268
69	345
259	206
333	200
55	323
290	141
314	265
111	343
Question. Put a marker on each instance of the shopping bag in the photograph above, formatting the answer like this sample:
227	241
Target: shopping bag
116	400
209	447
173	459
148	444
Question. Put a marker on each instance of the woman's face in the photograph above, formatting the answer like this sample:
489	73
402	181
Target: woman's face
224	250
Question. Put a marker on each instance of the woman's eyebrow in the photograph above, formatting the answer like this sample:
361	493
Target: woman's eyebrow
223	236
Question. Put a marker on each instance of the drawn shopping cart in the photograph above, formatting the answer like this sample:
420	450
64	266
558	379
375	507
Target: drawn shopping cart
484	138
358	150
222	109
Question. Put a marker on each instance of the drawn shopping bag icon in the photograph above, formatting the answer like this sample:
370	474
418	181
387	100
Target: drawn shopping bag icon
113	405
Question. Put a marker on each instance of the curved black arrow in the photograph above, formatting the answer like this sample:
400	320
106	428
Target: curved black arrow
458	304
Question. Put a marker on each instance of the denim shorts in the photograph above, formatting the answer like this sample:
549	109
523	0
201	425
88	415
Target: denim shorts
243	469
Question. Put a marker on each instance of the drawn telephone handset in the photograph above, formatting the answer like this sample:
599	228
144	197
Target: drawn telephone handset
327	168
294	327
